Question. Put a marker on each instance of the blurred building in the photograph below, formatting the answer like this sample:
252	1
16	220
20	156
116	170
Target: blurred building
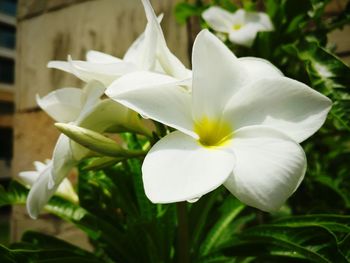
7	75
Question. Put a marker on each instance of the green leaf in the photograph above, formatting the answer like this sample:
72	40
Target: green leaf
43	255
230	208
99	163
228	4
134	167
327	74
185	10
199	215
338	225
15	194
315	238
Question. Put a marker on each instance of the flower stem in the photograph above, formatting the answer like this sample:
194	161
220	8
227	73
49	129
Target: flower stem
183	241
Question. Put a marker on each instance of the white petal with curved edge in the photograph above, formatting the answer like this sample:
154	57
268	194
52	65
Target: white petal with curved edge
244	36
238	17
92	93
105	73
218	19
266	21
144	50
156	96
39	166
261	20
28	177
63	105
39	193
61	65
88	71
170	63
139	51
281	103
217	75
66	190
62	159
107	113
110	116
258	68
100	57
269	167
134	52
178	168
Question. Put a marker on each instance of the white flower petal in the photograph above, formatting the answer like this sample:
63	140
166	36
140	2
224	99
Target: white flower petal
217	75
258	68
110	116
105	73
170	63
92	93
261	20
218	19
66	190
100	57
39	193
28	177
178	168
107	116
136	50
61	65
88	71
269	167
143	51
39	166
63	161
156	96
281	103
63	105
245	35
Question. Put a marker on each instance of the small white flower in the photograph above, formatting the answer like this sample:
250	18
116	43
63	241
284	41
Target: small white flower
42	173
148	52
240	127
241	26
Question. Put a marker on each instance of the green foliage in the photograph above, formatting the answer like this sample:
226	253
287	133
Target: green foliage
315	238
327	74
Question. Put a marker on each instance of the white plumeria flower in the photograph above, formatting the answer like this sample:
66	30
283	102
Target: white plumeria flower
65	189
241	26
148	52
240	127
82	107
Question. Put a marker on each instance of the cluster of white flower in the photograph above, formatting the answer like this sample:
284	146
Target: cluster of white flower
239	121
241	26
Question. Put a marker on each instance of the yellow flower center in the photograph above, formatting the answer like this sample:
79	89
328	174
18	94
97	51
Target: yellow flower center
212	133
237	26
